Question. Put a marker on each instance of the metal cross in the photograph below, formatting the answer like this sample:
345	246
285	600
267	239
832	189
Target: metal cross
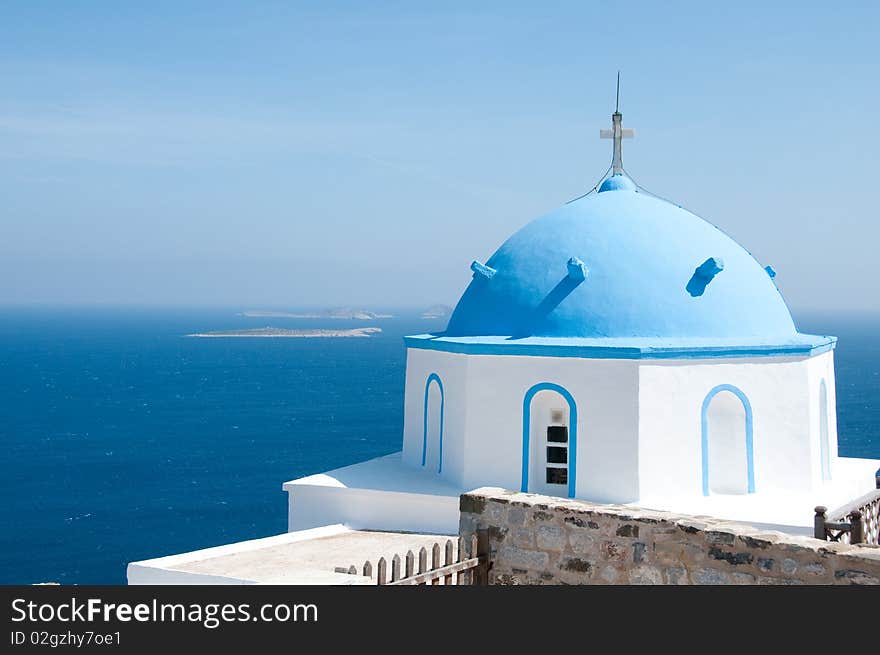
618	133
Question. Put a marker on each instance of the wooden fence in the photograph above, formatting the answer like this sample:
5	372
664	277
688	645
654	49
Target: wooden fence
857	522
466	565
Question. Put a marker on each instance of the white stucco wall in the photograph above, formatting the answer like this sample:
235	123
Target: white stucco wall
605	394
821	368
451	368
369	509
639	425
482	443
784	396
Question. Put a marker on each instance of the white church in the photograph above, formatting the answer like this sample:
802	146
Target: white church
619	349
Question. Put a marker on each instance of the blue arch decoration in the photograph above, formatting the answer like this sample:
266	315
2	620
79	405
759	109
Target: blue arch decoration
432	378
750	453
824	446
572	428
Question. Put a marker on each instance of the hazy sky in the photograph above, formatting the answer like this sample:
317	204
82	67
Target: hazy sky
283	154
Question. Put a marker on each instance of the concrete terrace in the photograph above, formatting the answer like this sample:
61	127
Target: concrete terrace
304	557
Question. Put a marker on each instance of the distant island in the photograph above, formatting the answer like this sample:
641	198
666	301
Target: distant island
437	311
345	313
272	332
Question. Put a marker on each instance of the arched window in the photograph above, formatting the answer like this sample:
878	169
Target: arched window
727	442
549	448
432	424
824	446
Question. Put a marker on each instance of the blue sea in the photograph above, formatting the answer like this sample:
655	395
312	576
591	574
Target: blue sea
123	440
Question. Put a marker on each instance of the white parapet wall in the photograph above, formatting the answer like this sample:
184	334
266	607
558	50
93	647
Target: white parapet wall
379	494
311	506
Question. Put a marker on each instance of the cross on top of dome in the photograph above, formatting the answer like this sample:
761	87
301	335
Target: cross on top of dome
618	133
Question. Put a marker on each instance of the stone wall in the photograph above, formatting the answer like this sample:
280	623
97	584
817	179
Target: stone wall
544	540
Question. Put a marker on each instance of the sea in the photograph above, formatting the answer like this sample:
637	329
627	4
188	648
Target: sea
123	439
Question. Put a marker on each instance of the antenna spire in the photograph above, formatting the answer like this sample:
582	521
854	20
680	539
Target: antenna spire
617	99
618	133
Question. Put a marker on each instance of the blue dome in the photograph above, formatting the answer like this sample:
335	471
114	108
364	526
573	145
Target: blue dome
616	182
621	263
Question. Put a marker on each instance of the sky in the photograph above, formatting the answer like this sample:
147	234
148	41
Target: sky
264	154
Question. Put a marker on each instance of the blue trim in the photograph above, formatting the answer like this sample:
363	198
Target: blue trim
572	437
824	446
512	349
432	378
750	453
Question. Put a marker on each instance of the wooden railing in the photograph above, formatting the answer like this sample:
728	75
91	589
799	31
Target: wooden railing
466	565
857	522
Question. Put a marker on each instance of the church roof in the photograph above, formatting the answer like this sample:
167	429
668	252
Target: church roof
622	273
621	263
